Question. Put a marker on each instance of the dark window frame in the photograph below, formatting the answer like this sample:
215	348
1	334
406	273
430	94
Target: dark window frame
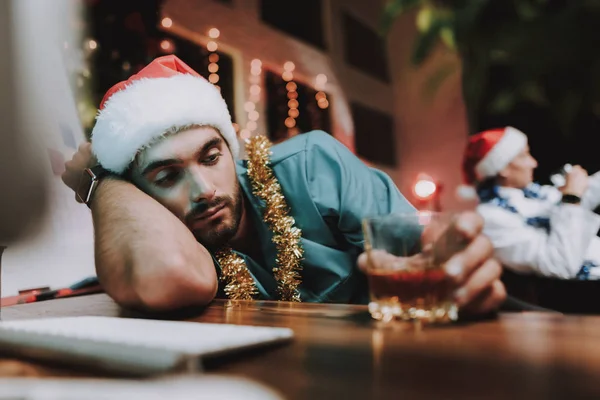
364	48
298	18
374	134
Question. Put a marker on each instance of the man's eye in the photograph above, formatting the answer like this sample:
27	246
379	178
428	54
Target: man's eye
166	178
212	159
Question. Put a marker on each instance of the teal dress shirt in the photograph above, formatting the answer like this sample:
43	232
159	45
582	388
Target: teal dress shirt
329	191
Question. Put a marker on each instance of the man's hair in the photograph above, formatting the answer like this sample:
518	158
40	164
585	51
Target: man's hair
175	130
169	132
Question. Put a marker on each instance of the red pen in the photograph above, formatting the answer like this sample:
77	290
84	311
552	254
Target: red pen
88	288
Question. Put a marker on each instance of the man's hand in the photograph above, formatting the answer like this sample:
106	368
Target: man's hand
473	270
74	168
576	181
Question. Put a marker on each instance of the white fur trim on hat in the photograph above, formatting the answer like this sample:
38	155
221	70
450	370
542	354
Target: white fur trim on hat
508	147
145	110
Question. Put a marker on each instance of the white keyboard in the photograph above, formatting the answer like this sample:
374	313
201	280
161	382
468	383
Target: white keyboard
185	388
137	346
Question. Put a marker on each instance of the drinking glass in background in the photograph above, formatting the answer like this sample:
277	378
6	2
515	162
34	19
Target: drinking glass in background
406	255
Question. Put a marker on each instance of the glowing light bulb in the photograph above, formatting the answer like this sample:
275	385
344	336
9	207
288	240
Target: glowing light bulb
424	188
290	122
214	33
289	66
212	46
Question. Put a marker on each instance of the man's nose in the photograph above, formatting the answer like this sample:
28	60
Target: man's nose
201	188
534	162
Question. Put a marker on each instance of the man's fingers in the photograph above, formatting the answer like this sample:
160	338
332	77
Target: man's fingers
455	237
85	147
461	265
479	281
71	175
466	225
80	160
377	259
84	158
469	224
362	262
489	300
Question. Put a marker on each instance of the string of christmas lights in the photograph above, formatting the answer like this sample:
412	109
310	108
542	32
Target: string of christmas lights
321	97
250	107
292	95
213	57
167	45
253	99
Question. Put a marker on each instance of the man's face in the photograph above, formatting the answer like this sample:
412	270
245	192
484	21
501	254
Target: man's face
519	173
192	174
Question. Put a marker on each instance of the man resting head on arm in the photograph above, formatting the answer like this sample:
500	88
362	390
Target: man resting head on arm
179	221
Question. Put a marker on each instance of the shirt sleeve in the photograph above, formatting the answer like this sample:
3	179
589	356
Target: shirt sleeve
559	253
345	188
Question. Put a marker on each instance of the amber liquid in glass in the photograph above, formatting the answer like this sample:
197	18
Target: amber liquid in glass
424	294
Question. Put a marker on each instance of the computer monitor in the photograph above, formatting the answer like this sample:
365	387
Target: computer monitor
38	121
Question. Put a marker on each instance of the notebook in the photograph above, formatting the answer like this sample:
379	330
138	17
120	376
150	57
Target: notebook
181	388
131	346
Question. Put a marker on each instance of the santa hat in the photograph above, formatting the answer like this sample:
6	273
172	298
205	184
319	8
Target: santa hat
165	94
489	152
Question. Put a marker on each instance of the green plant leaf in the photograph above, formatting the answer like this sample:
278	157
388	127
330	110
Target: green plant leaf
426	41
424	18
392	10
447	35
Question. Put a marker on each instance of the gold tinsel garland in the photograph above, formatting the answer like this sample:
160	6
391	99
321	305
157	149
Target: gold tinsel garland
239	284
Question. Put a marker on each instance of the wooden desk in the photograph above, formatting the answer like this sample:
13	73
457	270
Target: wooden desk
344	355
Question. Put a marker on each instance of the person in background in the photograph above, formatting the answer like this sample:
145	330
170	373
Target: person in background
534	229
178	221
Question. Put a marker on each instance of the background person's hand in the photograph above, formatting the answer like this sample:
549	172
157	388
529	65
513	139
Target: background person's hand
576	181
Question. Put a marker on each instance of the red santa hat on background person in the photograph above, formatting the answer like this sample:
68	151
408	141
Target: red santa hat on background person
487	153
166	93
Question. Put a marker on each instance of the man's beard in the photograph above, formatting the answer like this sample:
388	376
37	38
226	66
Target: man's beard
218	233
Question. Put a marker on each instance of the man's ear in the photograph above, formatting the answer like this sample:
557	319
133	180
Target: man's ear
504	173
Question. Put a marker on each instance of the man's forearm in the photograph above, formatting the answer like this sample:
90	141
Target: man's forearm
145	256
